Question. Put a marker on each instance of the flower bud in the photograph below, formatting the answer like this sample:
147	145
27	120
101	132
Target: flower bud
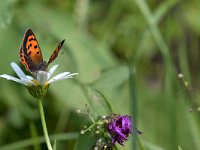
38	91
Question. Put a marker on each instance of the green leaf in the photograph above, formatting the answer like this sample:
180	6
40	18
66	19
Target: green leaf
99	102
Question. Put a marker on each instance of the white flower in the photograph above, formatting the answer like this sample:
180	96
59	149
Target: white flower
39	85
42	77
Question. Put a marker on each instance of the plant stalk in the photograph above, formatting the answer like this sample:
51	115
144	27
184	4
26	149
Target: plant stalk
46	136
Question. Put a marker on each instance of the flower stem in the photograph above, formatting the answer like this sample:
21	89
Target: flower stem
46	136
91	118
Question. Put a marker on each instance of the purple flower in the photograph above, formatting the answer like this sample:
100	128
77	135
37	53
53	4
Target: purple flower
119	128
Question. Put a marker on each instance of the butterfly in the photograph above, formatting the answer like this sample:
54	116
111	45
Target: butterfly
31	54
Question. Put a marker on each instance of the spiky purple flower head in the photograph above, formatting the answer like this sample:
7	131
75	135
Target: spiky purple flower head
119	128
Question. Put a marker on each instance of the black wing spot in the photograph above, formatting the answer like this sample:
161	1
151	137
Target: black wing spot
29	53
38	52
35	46
22	59
29	46
32	39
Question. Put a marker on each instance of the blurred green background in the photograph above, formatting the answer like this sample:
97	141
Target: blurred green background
130	50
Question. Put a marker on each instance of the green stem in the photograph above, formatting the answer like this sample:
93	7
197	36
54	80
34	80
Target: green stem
133	99
91	118
46	136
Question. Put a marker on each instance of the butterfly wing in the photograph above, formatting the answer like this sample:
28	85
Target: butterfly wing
22	59
56	51
30	52
25	60
31	47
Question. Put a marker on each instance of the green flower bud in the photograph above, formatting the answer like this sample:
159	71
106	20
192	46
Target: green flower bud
38	91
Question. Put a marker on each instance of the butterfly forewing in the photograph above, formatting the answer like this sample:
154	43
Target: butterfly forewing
31	47
56	51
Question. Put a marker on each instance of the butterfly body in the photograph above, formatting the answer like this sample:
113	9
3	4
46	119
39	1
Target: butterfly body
31	54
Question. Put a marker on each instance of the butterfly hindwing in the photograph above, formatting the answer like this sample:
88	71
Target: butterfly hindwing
25	60
55	52
22	59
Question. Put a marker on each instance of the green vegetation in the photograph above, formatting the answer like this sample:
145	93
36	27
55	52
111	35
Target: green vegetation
127	52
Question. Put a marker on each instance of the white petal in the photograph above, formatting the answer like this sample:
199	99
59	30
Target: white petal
66	77
51	71
29	77
9	77
62	76
28	81
18	70
42	77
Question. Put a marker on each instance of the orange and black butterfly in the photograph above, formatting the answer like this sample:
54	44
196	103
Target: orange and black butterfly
31	54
